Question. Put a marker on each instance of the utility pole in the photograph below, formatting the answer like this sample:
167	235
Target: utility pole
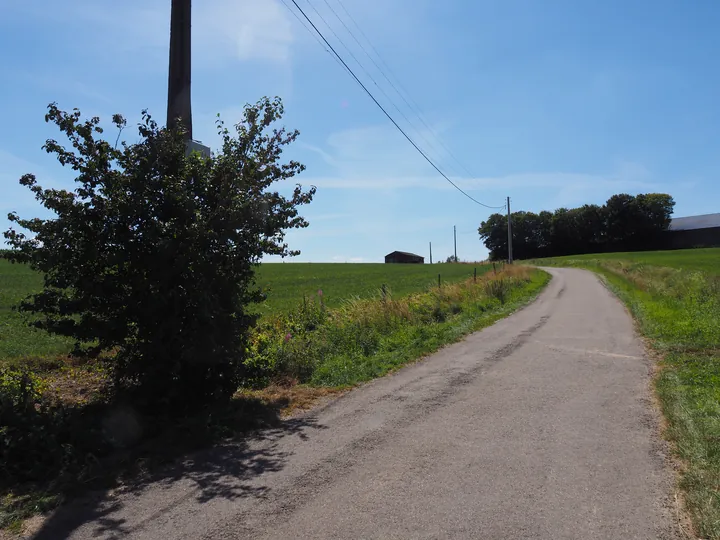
178	106
430	252
455	241
510	258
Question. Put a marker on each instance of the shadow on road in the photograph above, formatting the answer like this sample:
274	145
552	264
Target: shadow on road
223	471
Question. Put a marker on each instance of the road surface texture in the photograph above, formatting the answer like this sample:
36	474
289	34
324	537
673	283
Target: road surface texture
540	426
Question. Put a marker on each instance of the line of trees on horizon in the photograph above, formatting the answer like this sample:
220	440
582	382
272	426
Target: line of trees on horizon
624	223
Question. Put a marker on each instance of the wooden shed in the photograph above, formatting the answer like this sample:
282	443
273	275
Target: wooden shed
404	257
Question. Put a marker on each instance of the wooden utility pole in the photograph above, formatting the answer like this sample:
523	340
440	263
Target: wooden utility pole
178	106
430	252
510	257
455	241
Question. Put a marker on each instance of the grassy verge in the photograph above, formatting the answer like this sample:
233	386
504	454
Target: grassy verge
60	442
679	310
468	309
366	338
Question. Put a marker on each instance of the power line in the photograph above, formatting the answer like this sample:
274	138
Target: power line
367	74
382	72
317	39
415	107
423	154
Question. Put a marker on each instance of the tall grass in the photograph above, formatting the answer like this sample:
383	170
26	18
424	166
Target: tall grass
679	310
367	337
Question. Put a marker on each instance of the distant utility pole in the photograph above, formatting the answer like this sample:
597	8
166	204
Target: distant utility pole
455	241
510	258
178	106
430	252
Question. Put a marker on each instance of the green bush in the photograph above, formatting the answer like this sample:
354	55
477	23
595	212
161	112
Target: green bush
26	444
39	438
153	255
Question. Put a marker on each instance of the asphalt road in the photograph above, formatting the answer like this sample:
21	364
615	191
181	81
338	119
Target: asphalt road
540	426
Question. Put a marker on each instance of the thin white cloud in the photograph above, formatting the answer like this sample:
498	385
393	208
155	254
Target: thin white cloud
60	84
561	180
244	30
359	151
328	217
378	227
317	150
377	159
248	29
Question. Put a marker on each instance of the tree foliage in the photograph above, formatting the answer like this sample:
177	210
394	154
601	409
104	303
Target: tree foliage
625	222
152	256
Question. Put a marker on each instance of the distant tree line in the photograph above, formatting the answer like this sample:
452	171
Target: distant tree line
623	223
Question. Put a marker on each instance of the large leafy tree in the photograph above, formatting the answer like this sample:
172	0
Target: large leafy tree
152	255
591	222
493	233
622	216
632	221
531	234
655	213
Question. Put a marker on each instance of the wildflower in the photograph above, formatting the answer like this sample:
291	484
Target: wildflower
288	336
320	293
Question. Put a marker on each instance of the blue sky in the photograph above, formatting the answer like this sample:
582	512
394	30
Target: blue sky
553	103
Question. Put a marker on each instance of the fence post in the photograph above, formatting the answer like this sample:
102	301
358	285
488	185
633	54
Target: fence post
384	292
438	281
475	275
494	269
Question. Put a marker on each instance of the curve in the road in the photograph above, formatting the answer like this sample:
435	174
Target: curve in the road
540	426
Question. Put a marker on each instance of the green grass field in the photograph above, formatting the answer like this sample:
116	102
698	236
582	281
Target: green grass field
17	339
288	282
285	284
675	297
704	260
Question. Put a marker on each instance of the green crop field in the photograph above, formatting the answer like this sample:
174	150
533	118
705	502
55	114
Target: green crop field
285	285
17	339
705	260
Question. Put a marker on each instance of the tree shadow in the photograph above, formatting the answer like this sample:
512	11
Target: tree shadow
225	470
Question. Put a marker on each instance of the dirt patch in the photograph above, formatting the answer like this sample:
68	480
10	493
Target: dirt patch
76	385
291	398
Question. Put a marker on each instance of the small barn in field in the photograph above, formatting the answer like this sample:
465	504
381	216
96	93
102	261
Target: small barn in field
404	257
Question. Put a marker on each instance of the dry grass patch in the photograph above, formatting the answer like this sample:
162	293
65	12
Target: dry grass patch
290	398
